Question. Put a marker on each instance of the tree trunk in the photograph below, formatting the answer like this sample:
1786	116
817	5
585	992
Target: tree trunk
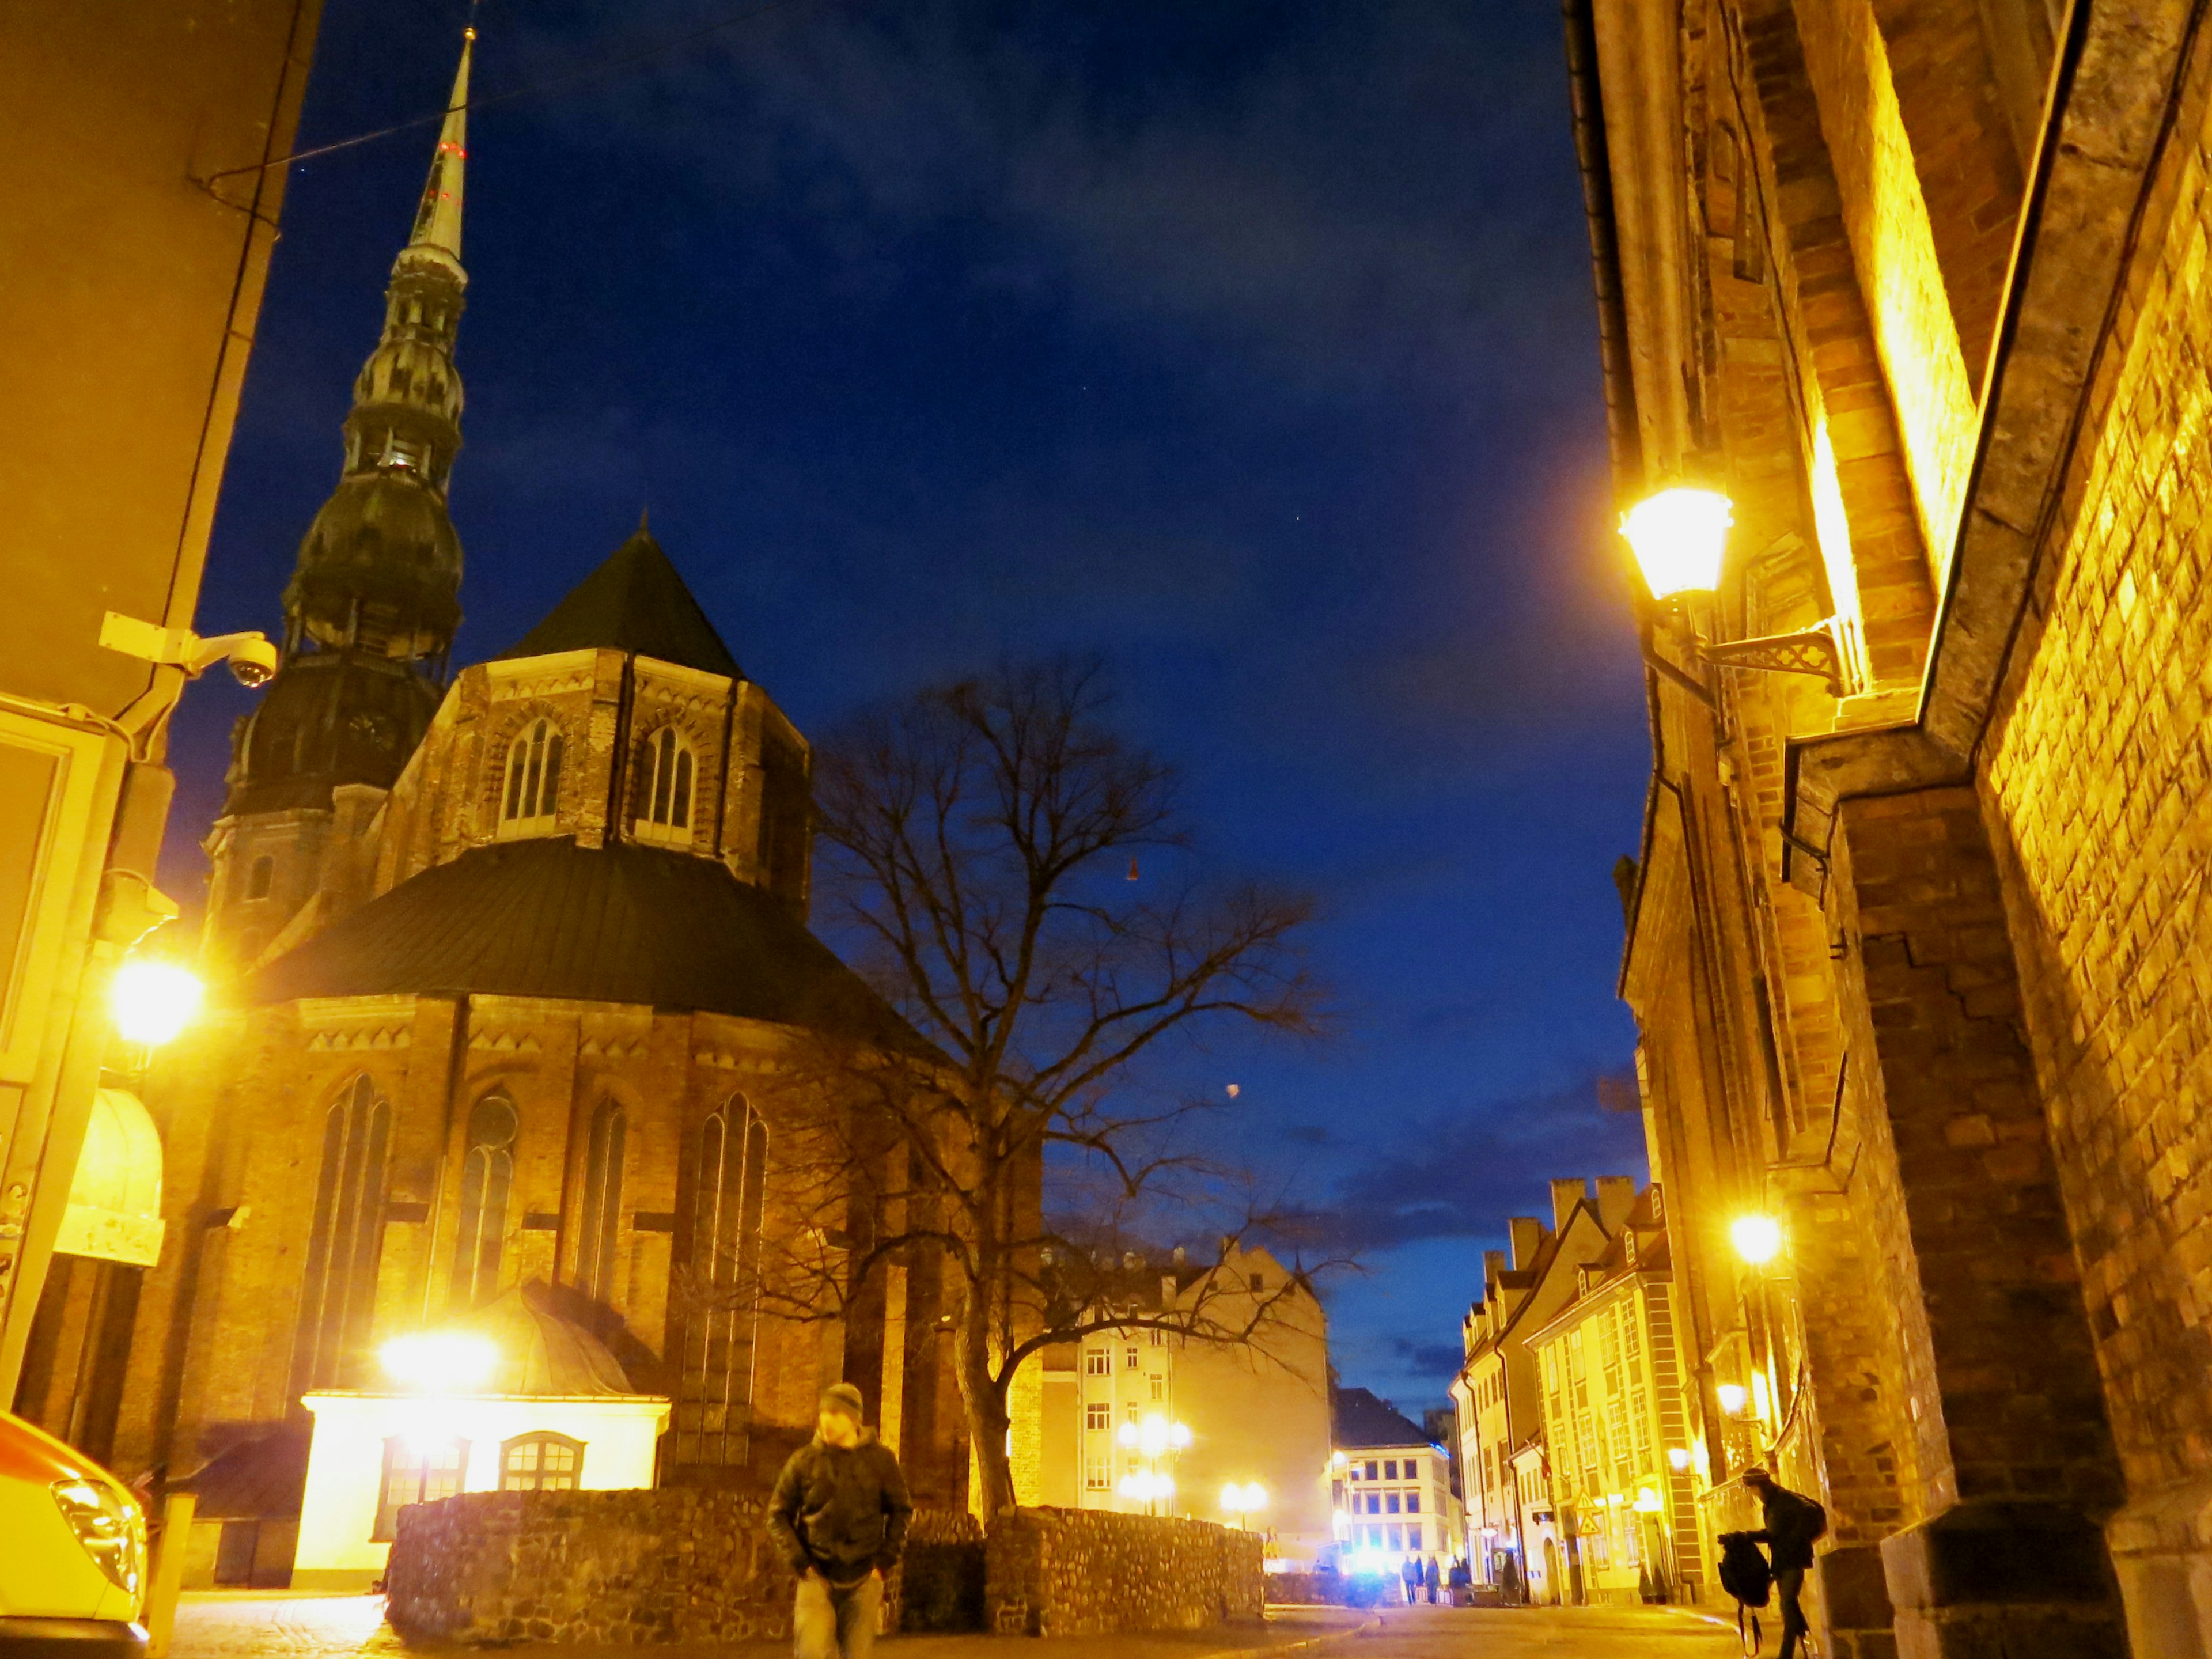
984	1403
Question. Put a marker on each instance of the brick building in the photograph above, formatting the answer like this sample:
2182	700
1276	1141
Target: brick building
517	994
1917	939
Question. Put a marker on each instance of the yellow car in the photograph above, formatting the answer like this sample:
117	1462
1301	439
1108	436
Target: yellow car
72	1553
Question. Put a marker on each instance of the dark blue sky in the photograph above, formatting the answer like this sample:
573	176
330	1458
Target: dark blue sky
1248	343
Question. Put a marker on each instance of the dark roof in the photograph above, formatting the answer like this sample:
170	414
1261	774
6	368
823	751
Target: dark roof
548	918
1359	1421
259	1479
635	602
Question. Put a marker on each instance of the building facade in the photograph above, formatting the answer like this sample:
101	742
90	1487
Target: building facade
1618	1470
139	212
1153	1420
1915	937
1390	1488
1496	1393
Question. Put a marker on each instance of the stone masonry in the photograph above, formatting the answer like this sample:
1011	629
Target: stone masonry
1090	1572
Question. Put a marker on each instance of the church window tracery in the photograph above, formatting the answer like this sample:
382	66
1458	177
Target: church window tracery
532	794
603	1182
664	773
714	1392
486	1178
339	1288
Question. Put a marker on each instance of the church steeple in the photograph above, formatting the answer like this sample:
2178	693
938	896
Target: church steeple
374	597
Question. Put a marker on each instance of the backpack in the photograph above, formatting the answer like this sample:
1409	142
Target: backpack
1744	1574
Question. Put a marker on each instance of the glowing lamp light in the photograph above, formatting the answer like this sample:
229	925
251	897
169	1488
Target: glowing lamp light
1179	1435
152	1001
1128	1435
1679	536
1647	1501
1757	1238
1678	1459
440	1363
1733	1398
1244	1500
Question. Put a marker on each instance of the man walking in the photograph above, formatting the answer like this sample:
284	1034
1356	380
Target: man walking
1793	1522
839	1514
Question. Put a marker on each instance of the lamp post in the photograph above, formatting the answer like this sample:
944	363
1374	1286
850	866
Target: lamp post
1679	536
1158	1439
1243	1502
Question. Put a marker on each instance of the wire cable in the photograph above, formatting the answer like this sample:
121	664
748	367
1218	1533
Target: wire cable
592	72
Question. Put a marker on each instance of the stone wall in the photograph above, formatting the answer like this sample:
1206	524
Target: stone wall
1087	1572
649	1565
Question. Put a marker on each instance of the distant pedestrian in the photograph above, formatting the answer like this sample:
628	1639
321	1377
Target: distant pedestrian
1435	1578
1793	1521
839	1514
1410	1572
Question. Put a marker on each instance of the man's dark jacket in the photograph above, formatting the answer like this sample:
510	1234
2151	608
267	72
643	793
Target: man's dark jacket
1793	1522
840	1511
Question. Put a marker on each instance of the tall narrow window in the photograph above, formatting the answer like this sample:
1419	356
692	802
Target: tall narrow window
663	801
338	1284
531	793
487	1176
602	1222
260	876
714	1392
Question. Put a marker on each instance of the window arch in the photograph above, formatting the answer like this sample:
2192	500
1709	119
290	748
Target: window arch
487	1176
541	1462
602	1223
531	794
338	1287
662	804
714	1392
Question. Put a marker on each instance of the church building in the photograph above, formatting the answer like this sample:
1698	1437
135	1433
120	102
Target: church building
512	972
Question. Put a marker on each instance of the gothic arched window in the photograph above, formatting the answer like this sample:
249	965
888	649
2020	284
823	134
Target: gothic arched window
532	792
663	801
603	1182
338	1286
487	1173
714	1392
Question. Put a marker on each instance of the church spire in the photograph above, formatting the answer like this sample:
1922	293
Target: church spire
438	220
375	598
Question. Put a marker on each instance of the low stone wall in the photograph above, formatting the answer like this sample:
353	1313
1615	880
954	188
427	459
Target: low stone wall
1088	1572
664	1565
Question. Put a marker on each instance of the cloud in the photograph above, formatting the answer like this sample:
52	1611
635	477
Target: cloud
1427	1359
1461	1174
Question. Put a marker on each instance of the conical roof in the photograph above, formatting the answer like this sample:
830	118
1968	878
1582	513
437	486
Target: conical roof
539	1351
634	602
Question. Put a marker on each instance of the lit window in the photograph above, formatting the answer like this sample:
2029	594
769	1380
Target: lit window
1099	1416
541	1462
1097	1362
531	793
257	878
416	1474
1397	1538
1412	1538
663	802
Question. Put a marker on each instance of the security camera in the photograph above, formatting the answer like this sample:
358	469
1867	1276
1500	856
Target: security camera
253	659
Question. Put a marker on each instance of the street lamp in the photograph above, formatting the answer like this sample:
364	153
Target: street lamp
1733	1398
151	1000
439	1362
1243	1502
1679	536
1757	1238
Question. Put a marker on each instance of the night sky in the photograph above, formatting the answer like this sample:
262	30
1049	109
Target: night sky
1248	343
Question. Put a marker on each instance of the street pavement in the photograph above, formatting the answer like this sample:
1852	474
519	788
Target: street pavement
277	1624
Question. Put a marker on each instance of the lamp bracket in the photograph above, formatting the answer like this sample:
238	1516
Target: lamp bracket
1812	652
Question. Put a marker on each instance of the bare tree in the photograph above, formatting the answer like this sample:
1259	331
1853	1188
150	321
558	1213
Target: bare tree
988	840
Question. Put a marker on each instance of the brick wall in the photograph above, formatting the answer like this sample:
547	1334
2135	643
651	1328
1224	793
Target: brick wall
490	1569
1089	1572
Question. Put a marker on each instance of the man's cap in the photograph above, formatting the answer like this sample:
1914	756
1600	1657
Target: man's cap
845	1398
1755	1476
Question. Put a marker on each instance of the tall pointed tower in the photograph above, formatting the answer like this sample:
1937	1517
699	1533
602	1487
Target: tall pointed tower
369	614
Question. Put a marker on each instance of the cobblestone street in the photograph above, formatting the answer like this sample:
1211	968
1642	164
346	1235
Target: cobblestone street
276	1625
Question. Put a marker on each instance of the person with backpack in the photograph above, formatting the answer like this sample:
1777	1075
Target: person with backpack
1794	1522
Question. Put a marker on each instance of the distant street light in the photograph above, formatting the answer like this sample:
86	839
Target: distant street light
1733	1398
1243	1502
151	1001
